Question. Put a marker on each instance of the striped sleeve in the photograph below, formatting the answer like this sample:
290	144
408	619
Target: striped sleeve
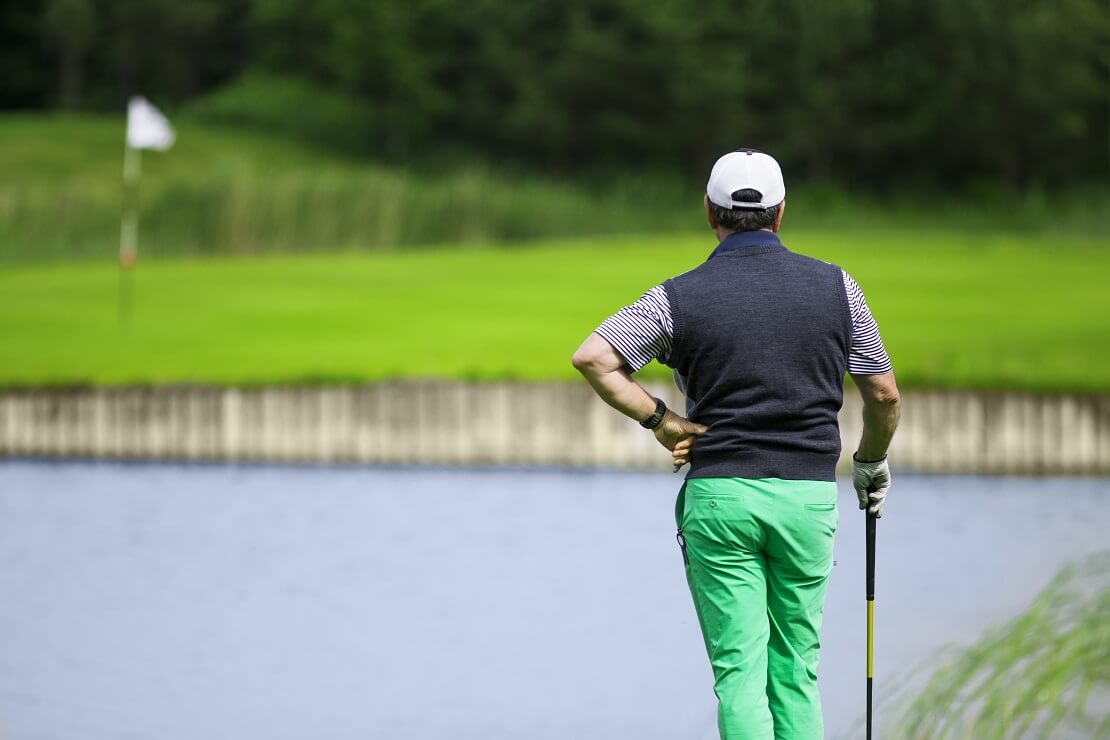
867	355
641	332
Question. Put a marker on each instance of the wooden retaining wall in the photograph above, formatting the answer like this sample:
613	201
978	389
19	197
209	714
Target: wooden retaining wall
455	423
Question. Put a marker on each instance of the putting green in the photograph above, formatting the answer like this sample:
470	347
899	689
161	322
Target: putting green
956	310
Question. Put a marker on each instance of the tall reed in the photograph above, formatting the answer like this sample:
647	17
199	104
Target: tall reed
1045	674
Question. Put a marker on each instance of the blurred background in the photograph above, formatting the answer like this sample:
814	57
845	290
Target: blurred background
306	456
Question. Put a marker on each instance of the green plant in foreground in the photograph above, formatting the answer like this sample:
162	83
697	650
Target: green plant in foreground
1046	674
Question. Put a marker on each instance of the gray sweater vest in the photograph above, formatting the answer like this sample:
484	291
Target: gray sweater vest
761	339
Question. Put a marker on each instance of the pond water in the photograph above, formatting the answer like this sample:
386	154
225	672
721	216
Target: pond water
180	602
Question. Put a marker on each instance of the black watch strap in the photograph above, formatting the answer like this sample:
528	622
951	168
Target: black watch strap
657	418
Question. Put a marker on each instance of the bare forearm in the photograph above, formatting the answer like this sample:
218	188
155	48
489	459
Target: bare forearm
605	371
607	374
882	405
619	390
880	419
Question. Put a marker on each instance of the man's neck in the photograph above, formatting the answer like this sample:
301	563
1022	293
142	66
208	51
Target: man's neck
723	234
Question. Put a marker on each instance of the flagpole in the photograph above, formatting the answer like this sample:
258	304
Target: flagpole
147	128
129	232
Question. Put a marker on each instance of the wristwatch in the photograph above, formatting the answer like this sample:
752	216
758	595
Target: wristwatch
657	418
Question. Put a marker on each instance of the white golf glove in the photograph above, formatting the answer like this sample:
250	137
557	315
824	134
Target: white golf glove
874	476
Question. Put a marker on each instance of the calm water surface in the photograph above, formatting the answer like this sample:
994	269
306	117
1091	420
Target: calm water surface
181	602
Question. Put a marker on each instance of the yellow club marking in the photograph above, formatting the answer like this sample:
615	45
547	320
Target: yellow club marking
870	628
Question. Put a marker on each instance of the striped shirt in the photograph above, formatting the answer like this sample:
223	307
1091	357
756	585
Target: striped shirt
643	331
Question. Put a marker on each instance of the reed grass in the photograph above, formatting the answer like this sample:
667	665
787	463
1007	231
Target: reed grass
236	191
1044	674
228	191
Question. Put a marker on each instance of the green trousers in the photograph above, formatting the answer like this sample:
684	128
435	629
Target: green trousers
758	553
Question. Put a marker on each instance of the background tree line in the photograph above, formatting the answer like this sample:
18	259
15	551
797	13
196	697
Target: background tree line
947	93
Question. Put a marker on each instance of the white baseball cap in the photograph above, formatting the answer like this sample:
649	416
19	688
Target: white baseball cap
746	169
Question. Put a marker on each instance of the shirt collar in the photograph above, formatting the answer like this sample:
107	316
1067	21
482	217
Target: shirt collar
744	239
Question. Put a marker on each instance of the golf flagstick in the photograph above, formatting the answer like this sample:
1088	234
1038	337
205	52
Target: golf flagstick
871	519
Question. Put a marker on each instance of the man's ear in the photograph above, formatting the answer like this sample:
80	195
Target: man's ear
778	218
709	214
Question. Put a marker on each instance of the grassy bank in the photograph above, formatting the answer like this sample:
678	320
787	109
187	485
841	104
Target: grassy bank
229	191
997	311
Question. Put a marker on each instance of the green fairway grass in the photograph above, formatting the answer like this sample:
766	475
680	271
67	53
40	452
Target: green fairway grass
956	311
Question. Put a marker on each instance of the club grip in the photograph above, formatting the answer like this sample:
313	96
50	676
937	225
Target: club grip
871	520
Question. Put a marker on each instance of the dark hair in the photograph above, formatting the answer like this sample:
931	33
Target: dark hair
744	219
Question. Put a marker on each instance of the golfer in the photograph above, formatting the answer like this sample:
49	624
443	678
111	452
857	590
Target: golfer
759	338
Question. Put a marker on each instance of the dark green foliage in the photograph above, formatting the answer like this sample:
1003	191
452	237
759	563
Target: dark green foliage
25	82
948	93
291	106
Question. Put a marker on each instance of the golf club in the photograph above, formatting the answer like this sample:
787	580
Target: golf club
871	520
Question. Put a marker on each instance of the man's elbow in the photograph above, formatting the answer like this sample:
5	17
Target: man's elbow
879	390
584	360
596	357
889	397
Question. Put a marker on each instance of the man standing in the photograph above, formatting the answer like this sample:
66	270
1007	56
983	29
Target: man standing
759	338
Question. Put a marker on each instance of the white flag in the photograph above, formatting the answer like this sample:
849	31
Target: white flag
147	128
